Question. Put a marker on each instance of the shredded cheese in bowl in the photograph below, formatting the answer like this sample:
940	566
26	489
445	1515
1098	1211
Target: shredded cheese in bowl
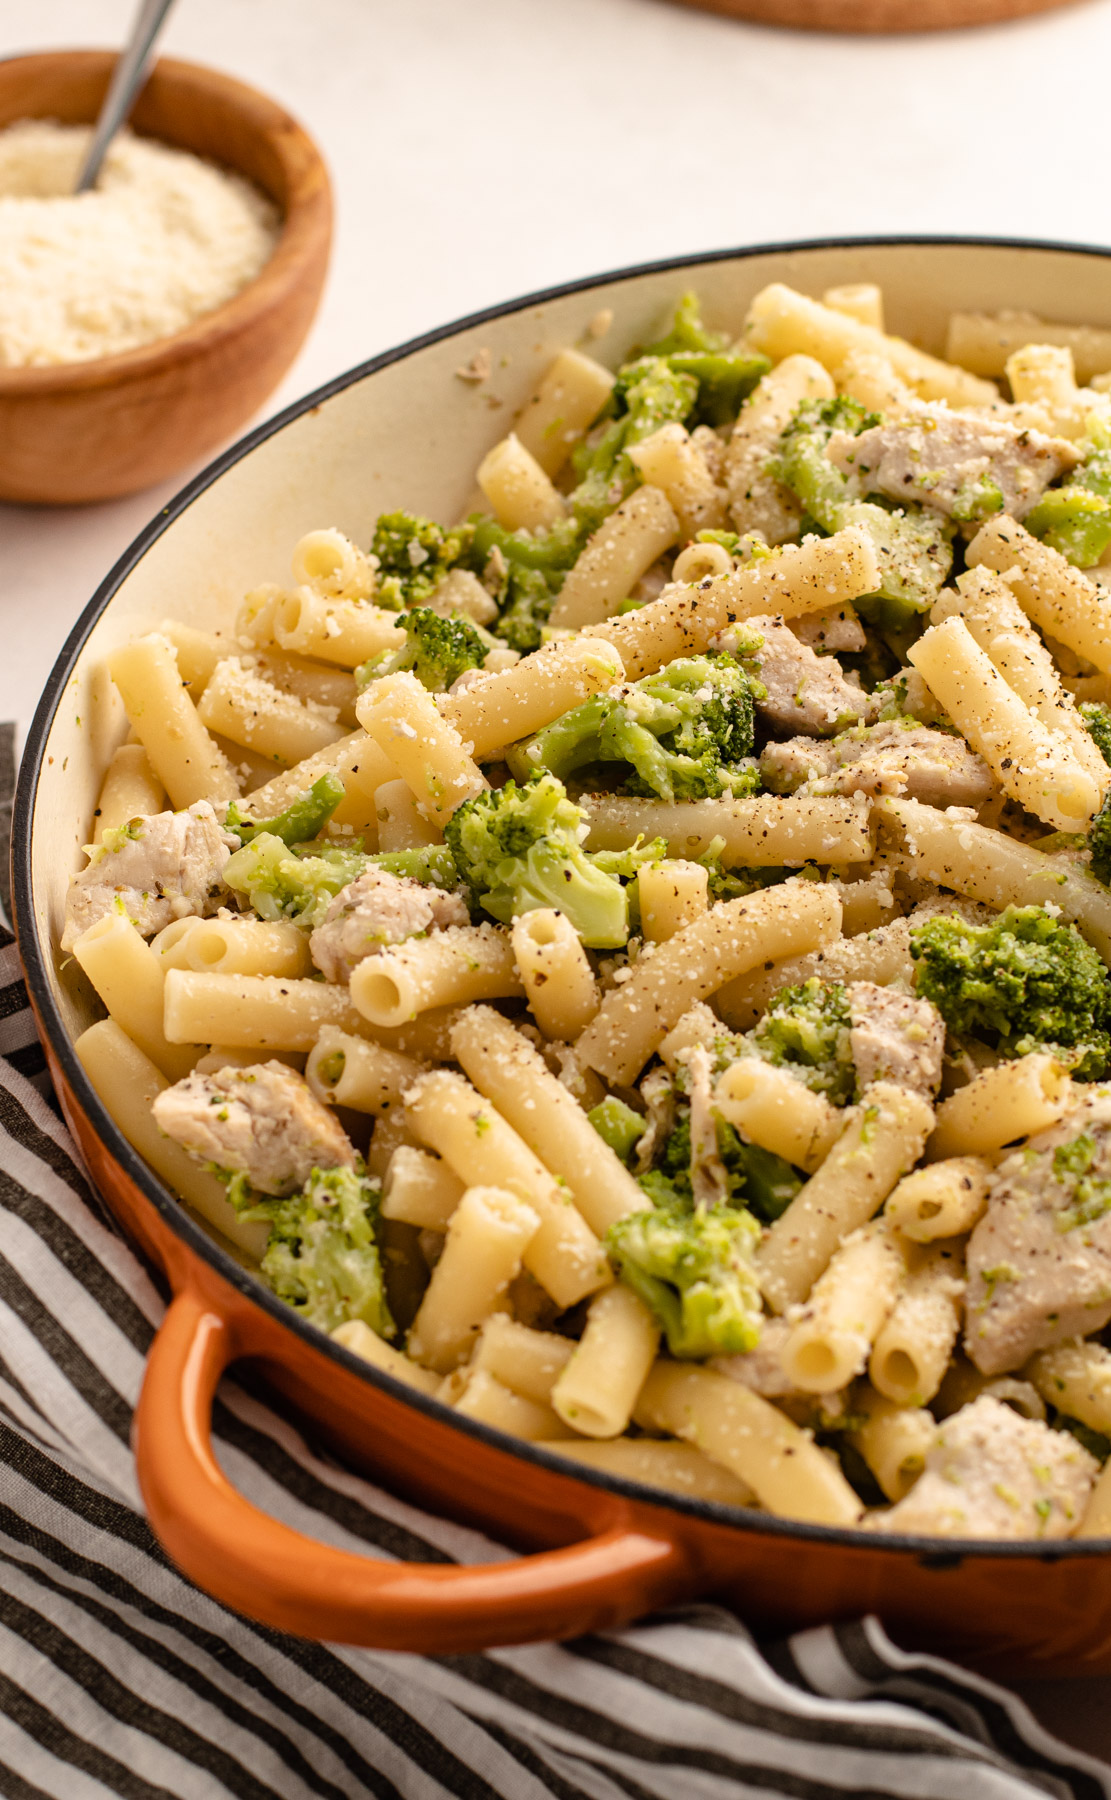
163	239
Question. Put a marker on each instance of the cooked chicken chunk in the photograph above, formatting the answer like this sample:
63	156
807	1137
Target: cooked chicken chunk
838	630
889	758
378	909
958	462
1039	1261
805	692
895	1037
262	1121
155	869
993	1474
709	1178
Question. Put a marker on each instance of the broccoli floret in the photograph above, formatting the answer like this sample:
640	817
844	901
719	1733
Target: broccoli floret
734	884
912	544
1097	718
807	1027
321	1256
431	864
768	1182
524	571
281	883
725	375
1099	843
436	651
519	848
1023	982
694	1271
302	820
411	554
617	1125
648	393
1075	518
685	733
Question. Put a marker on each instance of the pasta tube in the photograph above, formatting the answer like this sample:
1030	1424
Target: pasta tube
942	1201
530	1362
657	1462
774	1109
344	1070
486	1237
130	788
403	720
558	980
597	1390
616	556
1076	1379
913	1348
182	754
769	831
130	981
1001	1105
447	968
893	1440
1063	603
357	1336
829	1345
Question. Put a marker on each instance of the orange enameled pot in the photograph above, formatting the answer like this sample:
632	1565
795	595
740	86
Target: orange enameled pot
404	430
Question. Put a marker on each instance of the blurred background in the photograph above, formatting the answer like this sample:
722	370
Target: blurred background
482	150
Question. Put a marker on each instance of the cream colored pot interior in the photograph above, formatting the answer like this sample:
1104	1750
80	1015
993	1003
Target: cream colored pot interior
411	435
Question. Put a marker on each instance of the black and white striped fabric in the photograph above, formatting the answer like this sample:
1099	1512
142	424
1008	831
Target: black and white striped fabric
118	1677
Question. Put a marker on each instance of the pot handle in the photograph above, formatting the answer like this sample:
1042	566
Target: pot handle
260	1567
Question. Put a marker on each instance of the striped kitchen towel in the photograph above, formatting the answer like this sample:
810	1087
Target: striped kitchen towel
119	1677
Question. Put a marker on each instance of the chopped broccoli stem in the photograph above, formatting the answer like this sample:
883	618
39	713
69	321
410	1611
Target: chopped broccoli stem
524	571
1024	982
694	1270
617	1125
321	1257
437	650
303	819
519	848
1073	520
411	554
807	1029
1097	718
432	864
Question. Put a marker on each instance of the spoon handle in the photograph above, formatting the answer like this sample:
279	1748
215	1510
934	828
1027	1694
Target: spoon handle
128	77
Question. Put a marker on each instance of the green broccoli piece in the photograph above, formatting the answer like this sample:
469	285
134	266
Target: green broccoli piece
321	1256
768	1182
648	393
617	1125
1023	982
1099	843
734	884
519	848
685	733
303	819
912	543
281	883
725	376
1097	718
411	555
436	651
693	1270
524	571
431	864
1075	518
807	1028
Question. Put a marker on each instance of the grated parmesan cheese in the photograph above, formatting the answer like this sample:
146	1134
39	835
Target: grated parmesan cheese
163	239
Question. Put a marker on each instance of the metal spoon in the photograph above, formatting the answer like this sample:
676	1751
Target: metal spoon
128	77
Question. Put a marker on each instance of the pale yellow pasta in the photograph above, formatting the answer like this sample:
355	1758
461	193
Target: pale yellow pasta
241	705
771	1107
983	342
446	968
487	1236
128	1083
329	562
730	939
528	1361
940	1201
765	832
256	620
866	905
757	502
1032	764
1001	1105
657	1462
221	1056
198	653
182	754
130	981
695	562
868	376
357	1337
913	1348
596	1392
859	300
671	462
482	1397
882	956
519	701
420	1189
358	762
346	632
615	557
814	576
391	1134
427	1037
130	790
987	865
1043	373
344	1070
451	1117
789	1475
882	1138
671	894
512	1075
829	1343
1097	1515
1063	602
425	749
231	946
892	1439
401	825
782	322
254	1012
518	492
1076	1379
568	398
558	980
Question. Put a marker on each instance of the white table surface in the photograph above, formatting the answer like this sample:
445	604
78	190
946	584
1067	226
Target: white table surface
483	148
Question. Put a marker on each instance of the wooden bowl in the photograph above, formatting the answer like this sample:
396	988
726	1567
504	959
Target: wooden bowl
884	16
403	430
74	432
